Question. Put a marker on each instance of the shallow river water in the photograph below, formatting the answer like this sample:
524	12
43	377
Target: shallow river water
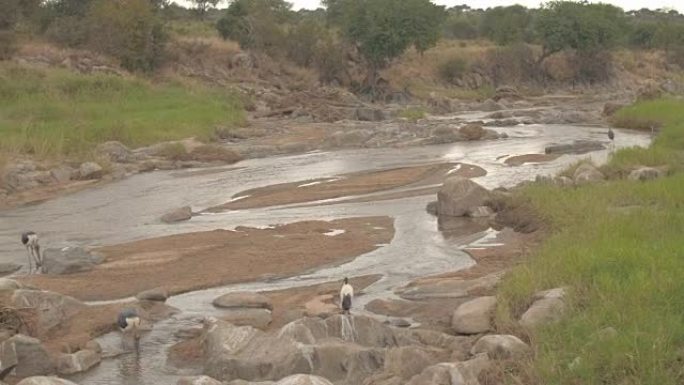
129	210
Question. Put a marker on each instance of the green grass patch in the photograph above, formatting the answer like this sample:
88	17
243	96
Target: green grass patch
413	114
618	247
52	112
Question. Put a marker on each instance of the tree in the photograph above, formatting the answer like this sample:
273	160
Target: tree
203	6
381	30
580	26
257	24
506	25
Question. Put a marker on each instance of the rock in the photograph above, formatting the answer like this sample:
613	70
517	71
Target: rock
445	134
450	288
94	346
177	215
39	380
564	181
650	91
198	380
499	346
115	151
69	260
610	108
399	323
369	114
158	294
78	362
51	309
448	373
587	173
474	316
7	284
480	212
8	268
30	356
350	138
90	170
258	318
321	306
62	174
472	131
548	307
243	352
243	300
645	173
490	105
338	360
408	361
506	92
458	196
303	379
577	147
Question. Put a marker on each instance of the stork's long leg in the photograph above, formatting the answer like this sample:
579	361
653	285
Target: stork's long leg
39	258
30	257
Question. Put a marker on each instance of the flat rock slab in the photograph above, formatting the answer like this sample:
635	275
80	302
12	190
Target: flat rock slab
474	316
257	318
243	300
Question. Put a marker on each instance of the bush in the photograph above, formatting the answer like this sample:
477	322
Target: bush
8	44
413	114
511	64
256	24
452	69
331	61
130	30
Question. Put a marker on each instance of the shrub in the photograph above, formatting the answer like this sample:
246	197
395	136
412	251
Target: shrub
413	114
511	64
174	151
452	69
130	30
8	44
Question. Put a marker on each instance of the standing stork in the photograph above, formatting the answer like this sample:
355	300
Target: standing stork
30	240
611	136
129	324
346	295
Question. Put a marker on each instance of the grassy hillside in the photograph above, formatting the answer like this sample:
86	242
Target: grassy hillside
54	112
619	247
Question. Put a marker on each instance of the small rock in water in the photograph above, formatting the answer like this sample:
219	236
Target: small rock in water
177	215
158	294
243	300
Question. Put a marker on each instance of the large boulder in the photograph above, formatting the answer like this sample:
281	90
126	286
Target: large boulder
50	309
452	373
62	174
243	352
408	361
474	316
499	346
450	287
460	196
115	151
77	362
40	380
243	300
90	170
198	380
28	354
7	284
338	360
178	215
70	260
548	307
645	173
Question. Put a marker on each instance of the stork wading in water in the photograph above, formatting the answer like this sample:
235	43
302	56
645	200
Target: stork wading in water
346	296
611	136
129	324
30	240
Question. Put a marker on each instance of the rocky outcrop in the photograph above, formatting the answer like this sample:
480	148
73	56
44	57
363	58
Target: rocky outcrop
577	147
452	373
501	347
50	309
548	306
472	131
77	362
28	354
645	173
90	170
450	288
63	174
243	300
177	215
115	152
460	196
258	318
158	294
474	316
39	380
70	260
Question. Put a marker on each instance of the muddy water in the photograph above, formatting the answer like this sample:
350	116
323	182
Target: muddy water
130	209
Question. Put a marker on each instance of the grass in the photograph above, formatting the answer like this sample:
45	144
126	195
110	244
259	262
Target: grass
54	112
619	248
412	114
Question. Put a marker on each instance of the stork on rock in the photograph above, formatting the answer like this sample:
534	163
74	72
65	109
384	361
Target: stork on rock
30	240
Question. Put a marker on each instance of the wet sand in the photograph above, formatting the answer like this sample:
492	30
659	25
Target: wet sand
193	261
348	185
